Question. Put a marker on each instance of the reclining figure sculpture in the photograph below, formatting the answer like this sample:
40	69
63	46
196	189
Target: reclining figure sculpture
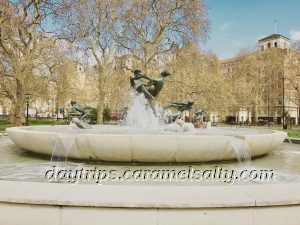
83	112
180	107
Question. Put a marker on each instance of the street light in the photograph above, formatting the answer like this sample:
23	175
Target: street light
27	96
57	106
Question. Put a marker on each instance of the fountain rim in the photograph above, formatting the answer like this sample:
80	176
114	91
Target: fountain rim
30	129
115	196
145	147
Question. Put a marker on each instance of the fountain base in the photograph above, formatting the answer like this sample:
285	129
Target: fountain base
115	143
60	204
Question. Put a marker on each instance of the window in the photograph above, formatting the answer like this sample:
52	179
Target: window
269	45
275	44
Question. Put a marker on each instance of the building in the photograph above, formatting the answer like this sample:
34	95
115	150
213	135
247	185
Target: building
274	41
279	94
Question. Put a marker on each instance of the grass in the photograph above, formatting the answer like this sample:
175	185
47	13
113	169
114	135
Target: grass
4	125
294	133
47	122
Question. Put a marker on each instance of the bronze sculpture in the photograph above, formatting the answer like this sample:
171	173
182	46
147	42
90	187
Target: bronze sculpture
199	120
151	89
83	112
180	107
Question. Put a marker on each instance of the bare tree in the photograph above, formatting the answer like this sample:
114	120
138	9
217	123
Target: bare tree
293	72
21	43
61	74
197	76
146	29
89	24
255	76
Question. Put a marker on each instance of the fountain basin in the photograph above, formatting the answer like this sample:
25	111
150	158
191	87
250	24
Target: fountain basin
114	143
61	204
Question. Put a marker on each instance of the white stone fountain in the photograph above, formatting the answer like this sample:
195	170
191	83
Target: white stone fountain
143	139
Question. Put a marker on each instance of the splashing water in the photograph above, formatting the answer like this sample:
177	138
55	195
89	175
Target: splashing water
241	149
140	115
62	147
289	139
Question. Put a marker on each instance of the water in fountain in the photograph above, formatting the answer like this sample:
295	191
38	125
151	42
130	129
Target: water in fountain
241	149
140	115
62	147
18	164
140	118
289	139
80	124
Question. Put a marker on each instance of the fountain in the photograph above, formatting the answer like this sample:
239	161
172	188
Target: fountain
128	164
144	138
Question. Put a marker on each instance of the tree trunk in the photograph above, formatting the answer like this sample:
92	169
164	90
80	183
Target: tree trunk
18	108
19	114
100	107
254	112
12	117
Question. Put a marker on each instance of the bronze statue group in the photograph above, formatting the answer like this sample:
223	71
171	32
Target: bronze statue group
151	91
150	88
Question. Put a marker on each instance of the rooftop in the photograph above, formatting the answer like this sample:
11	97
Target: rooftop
273	36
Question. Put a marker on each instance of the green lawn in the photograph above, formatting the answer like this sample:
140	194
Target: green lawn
48	122
4	125
294	133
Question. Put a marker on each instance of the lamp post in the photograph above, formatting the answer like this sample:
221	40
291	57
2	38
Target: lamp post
27	96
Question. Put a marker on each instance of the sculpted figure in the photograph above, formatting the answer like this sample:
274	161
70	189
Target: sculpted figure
151	89
83	111
180	107
199	121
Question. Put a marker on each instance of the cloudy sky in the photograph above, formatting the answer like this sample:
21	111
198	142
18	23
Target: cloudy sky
238	24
